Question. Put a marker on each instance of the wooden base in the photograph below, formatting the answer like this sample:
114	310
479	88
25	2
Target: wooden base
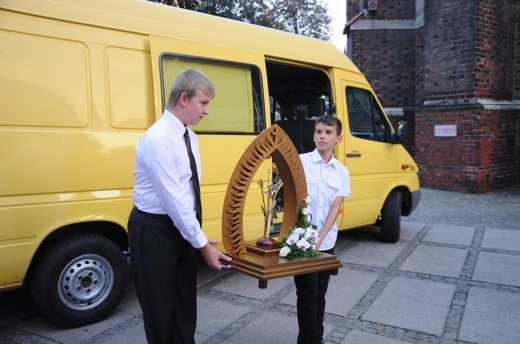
266	264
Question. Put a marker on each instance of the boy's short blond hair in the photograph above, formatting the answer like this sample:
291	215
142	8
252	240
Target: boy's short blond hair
190	81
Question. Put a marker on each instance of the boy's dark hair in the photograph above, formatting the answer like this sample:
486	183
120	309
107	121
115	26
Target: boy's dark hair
332	121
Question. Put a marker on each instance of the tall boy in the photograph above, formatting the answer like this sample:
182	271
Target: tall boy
328	183
165	223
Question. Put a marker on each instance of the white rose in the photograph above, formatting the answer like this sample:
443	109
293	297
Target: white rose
306	211
303	244
284	251
308	200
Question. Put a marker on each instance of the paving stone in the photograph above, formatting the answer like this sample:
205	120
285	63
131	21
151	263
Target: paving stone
270	327
449	234
359	337
214	315
498	268
491	316
246	286
412	304
73	335
130	332
410	229
345	290
435	260
373	253
130	303
501	239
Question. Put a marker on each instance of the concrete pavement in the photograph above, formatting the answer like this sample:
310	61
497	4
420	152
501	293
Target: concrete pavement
454	277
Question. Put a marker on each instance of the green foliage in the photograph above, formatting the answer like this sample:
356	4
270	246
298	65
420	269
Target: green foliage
304	17
221	8
186	4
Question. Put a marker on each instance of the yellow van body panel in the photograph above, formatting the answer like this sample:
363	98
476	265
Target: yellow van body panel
82	80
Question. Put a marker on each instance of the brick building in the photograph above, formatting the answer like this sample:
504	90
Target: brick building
451	69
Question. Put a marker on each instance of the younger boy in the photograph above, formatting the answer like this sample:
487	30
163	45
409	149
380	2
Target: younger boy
327	183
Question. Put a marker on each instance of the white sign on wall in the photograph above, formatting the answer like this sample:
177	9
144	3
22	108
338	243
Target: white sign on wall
447	130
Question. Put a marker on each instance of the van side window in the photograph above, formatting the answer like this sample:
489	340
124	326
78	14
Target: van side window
366	120
238	104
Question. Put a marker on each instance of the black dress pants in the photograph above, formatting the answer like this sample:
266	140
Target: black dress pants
310	291
164	270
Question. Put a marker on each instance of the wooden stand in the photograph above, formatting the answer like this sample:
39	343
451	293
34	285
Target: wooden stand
262	261
267	264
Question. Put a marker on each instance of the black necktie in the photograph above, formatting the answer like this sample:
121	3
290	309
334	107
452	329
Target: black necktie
194	178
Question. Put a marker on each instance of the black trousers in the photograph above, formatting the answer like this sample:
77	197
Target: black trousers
164	270
310	291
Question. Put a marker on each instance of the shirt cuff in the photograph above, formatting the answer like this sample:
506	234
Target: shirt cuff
199	241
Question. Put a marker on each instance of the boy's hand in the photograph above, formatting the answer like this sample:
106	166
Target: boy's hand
212	256
317	244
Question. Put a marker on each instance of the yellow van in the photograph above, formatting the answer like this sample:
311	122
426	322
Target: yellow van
82	80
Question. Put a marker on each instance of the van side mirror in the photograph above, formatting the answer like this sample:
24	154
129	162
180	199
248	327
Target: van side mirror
400	135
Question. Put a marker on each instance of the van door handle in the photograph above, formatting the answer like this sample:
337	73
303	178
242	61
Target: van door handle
353	155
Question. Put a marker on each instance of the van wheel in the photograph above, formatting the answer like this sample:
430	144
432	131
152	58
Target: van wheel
79	280
391	217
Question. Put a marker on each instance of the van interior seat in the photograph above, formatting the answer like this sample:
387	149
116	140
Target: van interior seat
291	123
315	109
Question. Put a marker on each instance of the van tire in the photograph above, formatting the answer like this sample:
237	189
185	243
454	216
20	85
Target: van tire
98	263
391	217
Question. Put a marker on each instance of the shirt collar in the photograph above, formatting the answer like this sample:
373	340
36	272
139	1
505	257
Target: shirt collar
174	122
316	157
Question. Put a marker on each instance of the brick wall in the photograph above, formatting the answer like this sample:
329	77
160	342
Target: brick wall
449	56
387	9
479	158
391	71
458	67
389	63
465	50
495	49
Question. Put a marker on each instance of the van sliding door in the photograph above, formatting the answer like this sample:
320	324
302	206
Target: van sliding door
298	94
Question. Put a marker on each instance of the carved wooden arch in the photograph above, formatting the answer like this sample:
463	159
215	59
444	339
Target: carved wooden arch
271	142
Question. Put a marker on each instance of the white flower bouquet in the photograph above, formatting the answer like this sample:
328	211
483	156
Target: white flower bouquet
302	236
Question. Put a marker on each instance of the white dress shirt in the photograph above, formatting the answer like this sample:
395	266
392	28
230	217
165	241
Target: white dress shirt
162	176
325	182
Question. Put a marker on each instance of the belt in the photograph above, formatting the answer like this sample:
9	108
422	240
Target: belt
150	214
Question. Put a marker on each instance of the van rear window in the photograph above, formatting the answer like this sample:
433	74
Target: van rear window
238	104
